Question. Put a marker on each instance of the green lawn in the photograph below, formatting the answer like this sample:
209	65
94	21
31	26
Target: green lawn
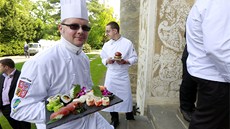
97	70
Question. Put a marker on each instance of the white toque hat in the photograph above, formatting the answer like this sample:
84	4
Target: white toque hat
74	9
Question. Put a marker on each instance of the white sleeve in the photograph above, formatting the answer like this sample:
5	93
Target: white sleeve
132	55
216	37
28	101
103	55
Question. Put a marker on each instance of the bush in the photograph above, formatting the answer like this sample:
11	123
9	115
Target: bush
12	48
86	48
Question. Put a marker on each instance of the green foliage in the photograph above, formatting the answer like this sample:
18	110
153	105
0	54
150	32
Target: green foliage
86	48
4	123
11	48
49	14
99	17
26	21
17	23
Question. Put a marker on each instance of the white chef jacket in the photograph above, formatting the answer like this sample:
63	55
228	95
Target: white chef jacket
52	72
117	76
208	40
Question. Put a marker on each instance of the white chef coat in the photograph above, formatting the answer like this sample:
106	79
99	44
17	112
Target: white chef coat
208	40
52	72
117	76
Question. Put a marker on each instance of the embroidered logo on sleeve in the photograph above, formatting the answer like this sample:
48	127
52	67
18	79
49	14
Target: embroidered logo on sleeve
16	103
22	88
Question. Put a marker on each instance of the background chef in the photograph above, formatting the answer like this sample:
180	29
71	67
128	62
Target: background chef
117	76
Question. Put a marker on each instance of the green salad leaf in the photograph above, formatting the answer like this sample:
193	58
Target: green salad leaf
97	91
75	90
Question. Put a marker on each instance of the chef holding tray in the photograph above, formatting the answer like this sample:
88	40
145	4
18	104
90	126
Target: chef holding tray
55	70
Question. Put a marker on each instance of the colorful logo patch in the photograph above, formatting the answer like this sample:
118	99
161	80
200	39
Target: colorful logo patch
22	88
16	103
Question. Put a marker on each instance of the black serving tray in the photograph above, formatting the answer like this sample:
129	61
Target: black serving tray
70	117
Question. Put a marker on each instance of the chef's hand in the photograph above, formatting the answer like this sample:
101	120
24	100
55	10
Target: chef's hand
110	60
122	61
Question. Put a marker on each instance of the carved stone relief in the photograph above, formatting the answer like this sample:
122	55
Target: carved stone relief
166	72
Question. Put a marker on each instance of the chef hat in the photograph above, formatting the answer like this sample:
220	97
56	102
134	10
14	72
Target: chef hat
74	9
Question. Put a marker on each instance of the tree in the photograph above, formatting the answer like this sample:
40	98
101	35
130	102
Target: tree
16	22
99	16
16	25
49	13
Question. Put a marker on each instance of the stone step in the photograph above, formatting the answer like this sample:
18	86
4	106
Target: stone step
165	117
140	122
181	119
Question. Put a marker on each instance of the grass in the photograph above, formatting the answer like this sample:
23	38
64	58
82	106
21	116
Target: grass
97	70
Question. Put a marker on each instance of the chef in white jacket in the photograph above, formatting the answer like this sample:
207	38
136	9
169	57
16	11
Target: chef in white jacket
55	70
117	76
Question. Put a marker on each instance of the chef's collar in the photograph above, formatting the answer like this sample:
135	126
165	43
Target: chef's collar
11	74
114	41
71	47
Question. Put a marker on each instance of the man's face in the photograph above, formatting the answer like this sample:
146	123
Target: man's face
110	33
75	31
2	68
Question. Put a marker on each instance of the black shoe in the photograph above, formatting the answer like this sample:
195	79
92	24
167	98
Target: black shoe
129	116
186	114
115	124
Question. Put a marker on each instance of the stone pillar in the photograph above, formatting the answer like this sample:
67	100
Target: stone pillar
129	24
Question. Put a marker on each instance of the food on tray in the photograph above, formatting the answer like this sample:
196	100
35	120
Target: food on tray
60	113
66	99
117	56
105	101
64	111
102	88
97	101
90	101
63	104
54	103
57	107
74	91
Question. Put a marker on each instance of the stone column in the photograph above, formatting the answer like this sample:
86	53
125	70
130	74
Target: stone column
129	23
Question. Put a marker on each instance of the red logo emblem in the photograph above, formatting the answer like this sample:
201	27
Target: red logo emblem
22	89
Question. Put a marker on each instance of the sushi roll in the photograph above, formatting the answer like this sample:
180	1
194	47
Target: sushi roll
90	101
57	96
79	100
97	101
66	99
105	101
72	106
60	113
83	98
